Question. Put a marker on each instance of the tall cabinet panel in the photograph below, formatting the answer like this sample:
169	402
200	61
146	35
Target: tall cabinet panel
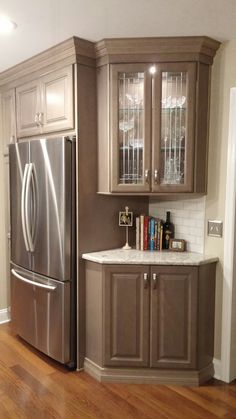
8	136
131	127
8	119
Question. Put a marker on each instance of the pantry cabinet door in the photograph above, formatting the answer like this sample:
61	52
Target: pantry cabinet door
173	317
57	111
130	131
28	107
173	128
126	316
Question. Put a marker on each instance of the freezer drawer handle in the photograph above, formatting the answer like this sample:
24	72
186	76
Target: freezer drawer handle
37	284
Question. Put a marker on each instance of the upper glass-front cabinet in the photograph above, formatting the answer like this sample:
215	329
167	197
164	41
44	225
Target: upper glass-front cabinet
131	128
173	127
152	127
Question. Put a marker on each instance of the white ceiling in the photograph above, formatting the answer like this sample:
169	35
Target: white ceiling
44	23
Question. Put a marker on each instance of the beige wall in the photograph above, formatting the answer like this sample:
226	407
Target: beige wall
223	78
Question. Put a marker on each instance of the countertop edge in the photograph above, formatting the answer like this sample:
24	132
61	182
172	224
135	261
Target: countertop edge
105	260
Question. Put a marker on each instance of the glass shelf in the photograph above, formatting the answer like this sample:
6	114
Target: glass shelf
163	149
131	110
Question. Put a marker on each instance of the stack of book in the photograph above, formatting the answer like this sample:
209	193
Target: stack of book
149	233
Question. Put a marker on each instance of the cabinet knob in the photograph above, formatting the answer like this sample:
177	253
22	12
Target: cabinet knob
154	281
156	176
146	175
145	280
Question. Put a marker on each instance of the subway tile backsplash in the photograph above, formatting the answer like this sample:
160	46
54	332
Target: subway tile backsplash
188	217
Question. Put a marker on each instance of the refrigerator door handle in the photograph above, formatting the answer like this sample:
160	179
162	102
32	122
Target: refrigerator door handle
29	229
23	223
35	203
28	281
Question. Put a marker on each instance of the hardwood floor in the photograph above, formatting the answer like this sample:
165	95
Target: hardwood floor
32	386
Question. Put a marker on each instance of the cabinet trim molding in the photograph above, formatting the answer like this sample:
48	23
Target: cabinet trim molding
68	52
200	48
148	376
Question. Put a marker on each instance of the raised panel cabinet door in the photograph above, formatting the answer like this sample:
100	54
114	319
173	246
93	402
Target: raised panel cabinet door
173	317
28	108
8	120
173	128
57	111
130	127
126	316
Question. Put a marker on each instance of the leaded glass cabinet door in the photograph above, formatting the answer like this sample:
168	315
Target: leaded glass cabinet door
130	128
173	127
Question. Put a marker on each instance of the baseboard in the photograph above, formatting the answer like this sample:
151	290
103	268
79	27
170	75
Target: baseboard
5	315
148	375
217	368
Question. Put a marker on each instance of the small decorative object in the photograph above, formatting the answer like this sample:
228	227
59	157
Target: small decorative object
126	220
177	245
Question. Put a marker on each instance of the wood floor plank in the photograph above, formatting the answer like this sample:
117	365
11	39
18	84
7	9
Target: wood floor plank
212	409
34	387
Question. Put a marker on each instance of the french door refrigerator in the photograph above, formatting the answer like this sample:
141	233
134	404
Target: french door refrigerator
42	202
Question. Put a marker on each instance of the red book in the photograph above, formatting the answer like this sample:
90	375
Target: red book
145	232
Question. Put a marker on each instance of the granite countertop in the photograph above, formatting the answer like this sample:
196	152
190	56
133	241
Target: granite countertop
139	257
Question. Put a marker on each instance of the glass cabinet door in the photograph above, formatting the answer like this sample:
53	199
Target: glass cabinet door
130	128
173	127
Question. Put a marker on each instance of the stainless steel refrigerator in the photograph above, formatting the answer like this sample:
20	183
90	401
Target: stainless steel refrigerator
42	198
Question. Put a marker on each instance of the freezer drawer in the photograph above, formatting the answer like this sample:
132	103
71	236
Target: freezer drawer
41	312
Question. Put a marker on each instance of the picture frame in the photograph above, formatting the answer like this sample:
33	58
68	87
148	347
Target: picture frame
177	245
125	219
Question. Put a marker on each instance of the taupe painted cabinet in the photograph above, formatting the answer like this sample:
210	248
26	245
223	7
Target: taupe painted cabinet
158	317
153	112
45	104
152	138
8	121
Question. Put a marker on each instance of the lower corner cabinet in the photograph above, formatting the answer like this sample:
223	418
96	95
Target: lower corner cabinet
150	323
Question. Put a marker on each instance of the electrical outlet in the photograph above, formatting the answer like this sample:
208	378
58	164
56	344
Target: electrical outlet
215	228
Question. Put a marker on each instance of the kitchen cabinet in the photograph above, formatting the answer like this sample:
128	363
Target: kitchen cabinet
159	318
45	104
152	127
157	138
126	316
8	119
173	308
7	123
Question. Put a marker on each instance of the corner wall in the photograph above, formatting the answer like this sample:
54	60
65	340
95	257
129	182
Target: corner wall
223	78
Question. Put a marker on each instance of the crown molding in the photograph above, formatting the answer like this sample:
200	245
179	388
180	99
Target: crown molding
73	50
200	48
